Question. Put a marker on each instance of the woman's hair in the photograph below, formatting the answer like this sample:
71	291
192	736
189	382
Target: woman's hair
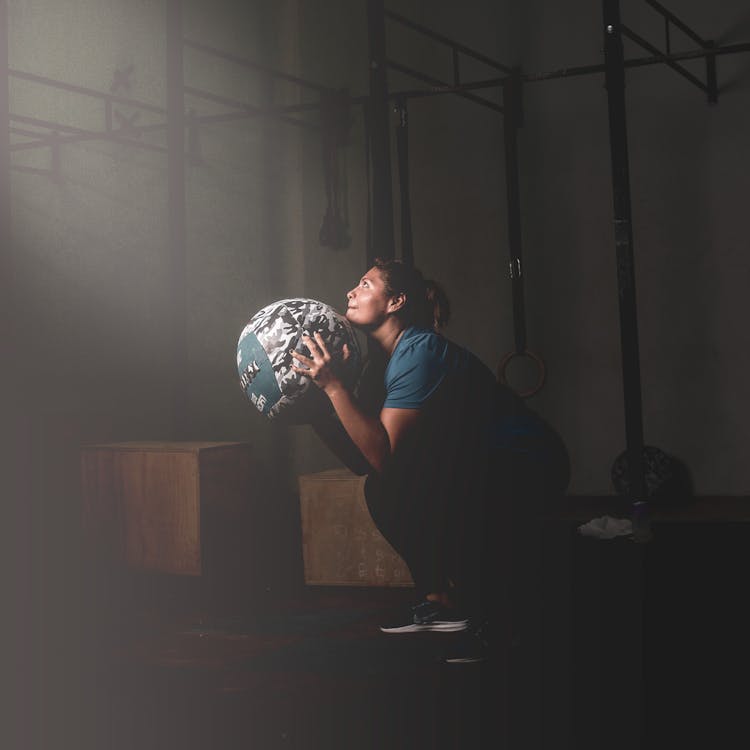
427	304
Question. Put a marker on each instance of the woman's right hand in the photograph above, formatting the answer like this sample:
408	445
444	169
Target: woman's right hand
320	366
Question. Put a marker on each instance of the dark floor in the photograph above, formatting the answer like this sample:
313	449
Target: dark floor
154	663
310	671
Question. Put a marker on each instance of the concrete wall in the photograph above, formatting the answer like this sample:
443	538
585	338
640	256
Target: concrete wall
688	164
92	290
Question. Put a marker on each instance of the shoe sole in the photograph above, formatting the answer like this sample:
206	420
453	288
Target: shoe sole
465	659
435	627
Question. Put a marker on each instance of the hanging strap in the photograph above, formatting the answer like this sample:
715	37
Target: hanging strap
334	113
511	101
366	114
375	357
402	151
512	120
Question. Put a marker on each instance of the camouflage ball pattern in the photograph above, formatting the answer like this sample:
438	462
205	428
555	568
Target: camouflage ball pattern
279	328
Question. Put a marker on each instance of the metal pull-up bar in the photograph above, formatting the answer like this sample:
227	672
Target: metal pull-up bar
454	45
639	40
708	45
457	49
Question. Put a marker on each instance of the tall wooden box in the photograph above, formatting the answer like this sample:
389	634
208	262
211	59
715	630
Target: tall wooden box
340	544
160	506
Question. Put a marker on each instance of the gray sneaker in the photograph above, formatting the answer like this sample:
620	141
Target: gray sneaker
429	616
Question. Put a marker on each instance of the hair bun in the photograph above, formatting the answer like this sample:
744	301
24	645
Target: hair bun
437	301
427	304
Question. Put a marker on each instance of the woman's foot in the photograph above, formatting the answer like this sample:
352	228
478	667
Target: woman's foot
428	616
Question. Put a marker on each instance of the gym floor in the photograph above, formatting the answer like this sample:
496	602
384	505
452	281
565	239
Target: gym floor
161	663
310	671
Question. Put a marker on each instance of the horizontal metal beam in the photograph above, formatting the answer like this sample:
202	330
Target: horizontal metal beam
681	25
438	88
245	63
32	170
56	126
450	42
581	70
85	91
252	109
728	49
630	34
26	133
249	110
82	136
234	116
441	87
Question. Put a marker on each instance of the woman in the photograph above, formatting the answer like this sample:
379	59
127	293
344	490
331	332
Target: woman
445	452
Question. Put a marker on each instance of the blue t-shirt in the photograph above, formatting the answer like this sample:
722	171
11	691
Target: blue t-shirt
426	368
419	364
472	431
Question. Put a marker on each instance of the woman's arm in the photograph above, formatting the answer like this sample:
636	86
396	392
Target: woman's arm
376	436
330	430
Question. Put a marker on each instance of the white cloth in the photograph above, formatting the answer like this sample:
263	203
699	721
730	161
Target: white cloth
606	527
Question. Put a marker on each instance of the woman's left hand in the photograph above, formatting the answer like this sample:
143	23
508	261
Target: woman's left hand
319	366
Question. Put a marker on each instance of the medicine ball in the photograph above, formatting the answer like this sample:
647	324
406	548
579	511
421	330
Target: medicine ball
264	362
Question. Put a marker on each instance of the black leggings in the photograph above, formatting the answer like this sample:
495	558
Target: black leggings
463	529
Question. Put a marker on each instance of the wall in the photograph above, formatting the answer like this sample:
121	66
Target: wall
688	167
93	294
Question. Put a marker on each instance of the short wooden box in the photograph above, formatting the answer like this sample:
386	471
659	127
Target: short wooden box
340	544
151	505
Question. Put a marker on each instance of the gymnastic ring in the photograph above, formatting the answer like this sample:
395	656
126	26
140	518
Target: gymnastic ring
503	366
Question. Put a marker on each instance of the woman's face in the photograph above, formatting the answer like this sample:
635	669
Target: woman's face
368	302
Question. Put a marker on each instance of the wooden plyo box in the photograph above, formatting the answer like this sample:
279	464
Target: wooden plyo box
341	545
149	505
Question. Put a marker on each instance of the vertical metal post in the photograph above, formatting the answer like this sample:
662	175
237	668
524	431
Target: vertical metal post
402	147
713	88
177	212
382	199
615	85
512	118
